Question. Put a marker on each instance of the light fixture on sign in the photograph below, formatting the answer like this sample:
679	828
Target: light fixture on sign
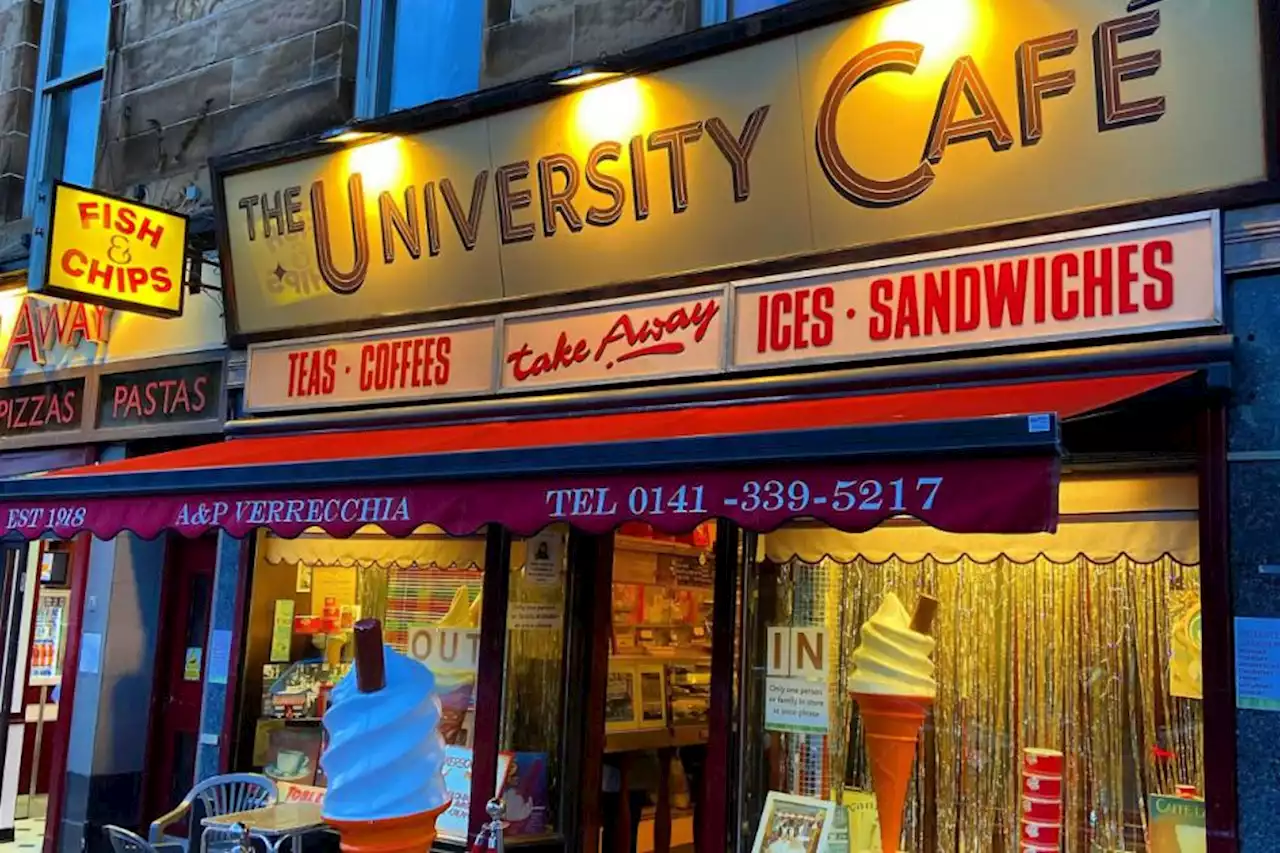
583	75
346	135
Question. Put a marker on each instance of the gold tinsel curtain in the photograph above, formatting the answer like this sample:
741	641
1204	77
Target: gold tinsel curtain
1071	656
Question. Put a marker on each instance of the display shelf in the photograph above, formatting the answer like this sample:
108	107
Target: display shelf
653	546
675	659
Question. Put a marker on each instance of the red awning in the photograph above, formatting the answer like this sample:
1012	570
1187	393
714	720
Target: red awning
758	464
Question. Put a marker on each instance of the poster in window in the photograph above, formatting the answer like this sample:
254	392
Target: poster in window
282	630
1185	674
793	824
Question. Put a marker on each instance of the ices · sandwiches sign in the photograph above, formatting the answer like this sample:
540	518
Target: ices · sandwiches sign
109	251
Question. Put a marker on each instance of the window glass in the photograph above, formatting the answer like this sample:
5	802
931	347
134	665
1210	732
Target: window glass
742	8
533	704
658	692
73	133
434	52
1067	712
79	36
307	593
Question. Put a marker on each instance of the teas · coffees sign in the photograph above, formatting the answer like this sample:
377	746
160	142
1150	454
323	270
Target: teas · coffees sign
877	129
113	252
1145	277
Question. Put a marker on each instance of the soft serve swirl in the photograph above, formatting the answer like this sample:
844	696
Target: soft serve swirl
892	659
385	752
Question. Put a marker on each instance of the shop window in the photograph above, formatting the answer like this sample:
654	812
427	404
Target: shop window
658	689
64	132
1068	690
533	700
413	52
719	11
307	593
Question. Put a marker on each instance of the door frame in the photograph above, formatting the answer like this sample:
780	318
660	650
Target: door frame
166	638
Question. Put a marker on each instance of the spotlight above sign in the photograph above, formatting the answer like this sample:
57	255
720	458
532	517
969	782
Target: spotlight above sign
114	252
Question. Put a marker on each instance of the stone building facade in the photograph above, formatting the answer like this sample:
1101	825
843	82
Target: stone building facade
185	80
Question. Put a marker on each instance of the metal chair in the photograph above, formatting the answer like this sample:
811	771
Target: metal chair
124	841
217	796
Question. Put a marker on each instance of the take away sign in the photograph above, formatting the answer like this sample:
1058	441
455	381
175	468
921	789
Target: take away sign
113	252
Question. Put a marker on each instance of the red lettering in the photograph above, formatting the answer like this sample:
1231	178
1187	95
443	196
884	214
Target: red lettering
1006	295
1128	277
908	318
294	368
968	282
937	302
1066	303
74	255
330	366
780	336
1097	279
823	330
1156	257
444	347
882	323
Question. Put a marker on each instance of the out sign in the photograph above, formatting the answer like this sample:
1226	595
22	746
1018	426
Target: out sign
797	652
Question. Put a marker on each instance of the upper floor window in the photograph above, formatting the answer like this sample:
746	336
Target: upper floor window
719	11
64	129
413	52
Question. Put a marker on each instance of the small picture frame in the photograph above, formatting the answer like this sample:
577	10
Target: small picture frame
651	688
794	824
304	578
622	701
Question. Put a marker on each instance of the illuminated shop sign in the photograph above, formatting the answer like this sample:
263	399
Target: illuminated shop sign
41	408
167	395
889	126
109	251
41	327
1141	278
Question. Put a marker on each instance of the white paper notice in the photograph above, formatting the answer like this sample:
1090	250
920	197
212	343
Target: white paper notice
525	615
796	705
1258	664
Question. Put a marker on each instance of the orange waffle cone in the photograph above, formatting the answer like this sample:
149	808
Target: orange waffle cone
411	834
891	725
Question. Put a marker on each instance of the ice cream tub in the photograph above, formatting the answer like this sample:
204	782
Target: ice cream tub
1045	762
1041	833
1041	811
1043	787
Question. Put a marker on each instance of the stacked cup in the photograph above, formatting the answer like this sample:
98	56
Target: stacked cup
1041	800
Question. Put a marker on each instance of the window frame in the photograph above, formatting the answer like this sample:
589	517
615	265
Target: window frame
375	59
47	88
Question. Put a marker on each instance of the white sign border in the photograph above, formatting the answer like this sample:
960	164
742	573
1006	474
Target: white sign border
729	293
1213	217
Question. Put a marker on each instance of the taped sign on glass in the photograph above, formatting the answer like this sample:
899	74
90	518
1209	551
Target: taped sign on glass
796	689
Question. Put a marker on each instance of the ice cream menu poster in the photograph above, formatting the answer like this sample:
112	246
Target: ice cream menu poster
457	781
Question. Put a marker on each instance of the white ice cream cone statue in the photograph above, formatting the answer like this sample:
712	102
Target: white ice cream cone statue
894	687
385	757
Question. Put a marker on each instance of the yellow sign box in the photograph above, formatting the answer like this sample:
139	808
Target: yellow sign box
110	251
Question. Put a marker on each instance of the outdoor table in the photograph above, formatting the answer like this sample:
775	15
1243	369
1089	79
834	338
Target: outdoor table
273	824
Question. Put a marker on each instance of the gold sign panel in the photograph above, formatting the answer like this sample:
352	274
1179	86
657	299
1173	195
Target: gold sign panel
110	251
921	118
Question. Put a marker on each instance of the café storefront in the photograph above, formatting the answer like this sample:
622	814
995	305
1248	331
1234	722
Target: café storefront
625	409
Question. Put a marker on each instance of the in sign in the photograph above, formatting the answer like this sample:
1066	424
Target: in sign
798	652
